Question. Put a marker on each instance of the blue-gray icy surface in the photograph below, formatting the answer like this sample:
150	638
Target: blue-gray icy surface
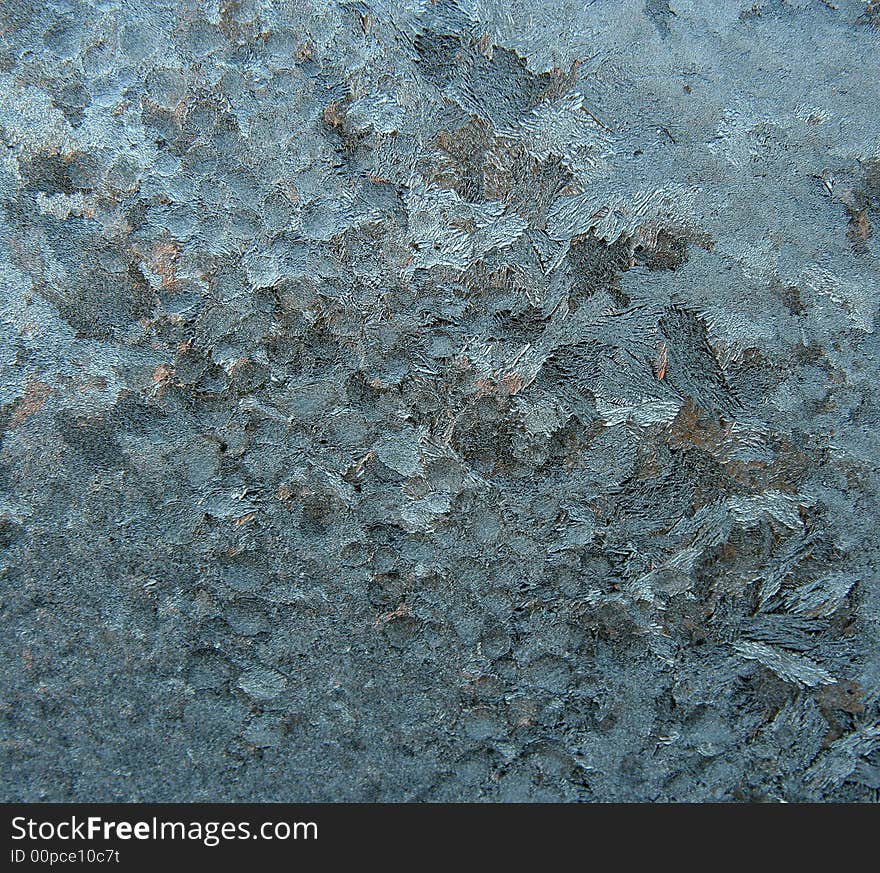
464	400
